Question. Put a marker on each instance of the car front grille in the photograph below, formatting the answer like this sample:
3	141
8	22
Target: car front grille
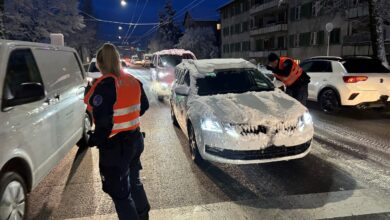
267	153
244	129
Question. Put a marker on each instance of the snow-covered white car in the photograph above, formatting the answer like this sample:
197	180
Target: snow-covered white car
361	82
232	113
163	69
94	73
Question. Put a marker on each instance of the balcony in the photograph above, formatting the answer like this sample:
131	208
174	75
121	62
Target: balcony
261	54
269	29
259	8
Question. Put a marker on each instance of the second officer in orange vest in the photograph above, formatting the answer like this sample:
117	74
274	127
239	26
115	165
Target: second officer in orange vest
116	101
288	71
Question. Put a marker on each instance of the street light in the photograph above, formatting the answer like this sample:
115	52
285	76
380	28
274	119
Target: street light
123	3
120	28
119	37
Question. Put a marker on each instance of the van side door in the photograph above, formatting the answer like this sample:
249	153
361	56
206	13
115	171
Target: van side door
29	126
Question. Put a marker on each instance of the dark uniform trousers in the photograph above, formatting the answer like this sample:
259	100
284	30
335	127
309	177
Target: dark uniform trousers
300	93
120	164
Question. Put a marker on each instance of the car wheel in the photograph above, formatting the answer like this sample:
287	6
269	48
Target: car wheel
87	125
160	98
195	155
329	101
13	196
173	117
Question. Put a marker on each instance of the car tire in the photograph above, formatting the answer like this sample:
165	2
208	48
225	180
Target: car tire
173	117
194	150
160	98
87	125
13	196
329	101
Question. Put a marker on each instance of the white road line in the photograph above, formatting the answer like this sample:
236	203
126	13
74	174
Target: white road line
308	206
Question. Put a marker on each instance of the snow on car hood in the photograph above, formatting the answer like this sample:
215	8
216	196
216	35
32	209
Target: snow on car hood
253	108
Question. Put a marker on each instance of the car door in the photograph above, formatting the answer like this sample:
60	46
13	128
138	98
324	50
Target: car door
320	72
29	126
64	79
182	100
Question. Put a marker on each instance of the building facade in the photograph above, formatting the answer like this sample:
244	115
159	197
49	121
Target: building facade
297	29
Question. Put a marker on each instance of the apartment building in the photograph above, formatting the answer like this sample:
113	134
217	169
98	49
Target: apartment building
297	29
235	21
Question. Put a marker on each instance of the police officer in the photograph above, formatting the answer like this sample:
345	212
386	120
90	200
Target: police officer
294	78
116	101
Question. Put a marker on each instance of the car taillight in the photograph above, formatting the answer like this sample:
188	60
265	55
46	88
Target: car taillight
354	79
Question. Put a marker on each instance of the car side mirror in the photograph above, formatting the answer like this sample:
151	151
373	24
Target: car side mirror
27	93
182	90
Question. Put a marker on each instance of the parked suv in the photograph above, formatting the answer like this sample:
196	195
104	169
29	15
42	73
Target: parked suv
361	82
42	116
163	69
232	113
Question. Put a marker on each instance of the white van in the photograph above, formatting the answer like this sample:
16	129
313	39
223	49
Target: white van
42	116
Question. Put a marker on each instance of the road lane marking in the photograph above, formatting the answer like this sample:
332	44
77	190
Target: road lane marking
307	206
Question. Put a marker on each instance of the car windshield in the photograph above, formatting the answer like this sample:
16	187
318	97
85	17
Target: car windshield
233	81
171	60
365	66
93	68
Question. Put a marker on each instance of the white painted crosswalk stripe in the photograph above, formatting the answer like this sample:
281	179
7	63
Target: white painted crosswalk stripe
308	206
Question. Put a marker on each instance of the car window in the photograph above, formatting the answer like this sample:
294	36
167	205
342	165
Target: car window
365	66
186	79
180	77
93	68
317	66
233	81
21	68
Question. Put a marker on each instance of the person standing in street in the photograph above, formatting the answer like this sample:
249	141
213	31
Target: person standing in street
290	73
117	101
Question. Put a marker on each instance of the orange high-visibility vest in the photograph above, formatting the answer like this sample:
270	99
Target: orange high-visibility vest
295	72
128	102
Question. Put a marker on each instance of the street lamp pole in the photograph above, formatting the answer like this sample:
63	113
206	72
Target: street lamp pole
329	28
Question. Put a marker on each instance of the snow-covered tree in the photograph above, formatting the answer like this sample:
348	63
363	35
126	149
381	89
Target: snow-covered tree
34	20
168	33
201	41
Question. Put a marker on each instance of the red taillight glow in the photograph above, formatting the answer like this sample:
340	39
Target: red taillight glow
354	79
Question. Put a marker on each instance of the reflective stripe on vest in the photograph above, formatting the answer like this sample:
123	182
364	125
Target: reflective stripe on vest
295	72
127	107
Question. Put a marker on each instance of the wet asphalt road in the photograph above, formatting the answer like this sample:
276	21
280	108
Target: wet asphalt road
347	173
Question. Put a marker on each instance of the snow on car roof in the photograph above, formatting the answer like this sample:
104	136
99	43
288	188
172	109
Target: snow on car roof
199	68
179	52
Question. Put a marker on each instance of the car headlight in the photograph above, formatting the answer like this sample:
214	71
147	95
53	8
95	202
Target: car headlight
162	74
304	120
231	131
211	125
165	85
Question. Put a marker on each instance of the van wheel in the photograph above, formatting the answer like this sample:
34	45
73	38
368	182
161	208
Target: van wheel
195	155
87	125
13	196
329	101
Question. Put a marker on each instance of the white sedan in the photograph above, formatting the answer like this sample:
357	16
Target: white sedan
232	113
360	82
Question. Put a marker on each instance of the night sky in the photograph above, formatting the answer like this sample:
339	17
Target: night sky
112	10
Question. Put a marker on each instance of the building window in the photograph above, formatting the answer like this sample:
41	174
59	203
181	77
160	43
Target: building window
320	37
291	41
231	30
306	10
238	9
237	29
335	36
304	39
231	48
295	13
246	46
269	44
245	6
313	38
281	42
225	14
226	48
259	45
296	40
245	26
226	31
232	11
238	47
